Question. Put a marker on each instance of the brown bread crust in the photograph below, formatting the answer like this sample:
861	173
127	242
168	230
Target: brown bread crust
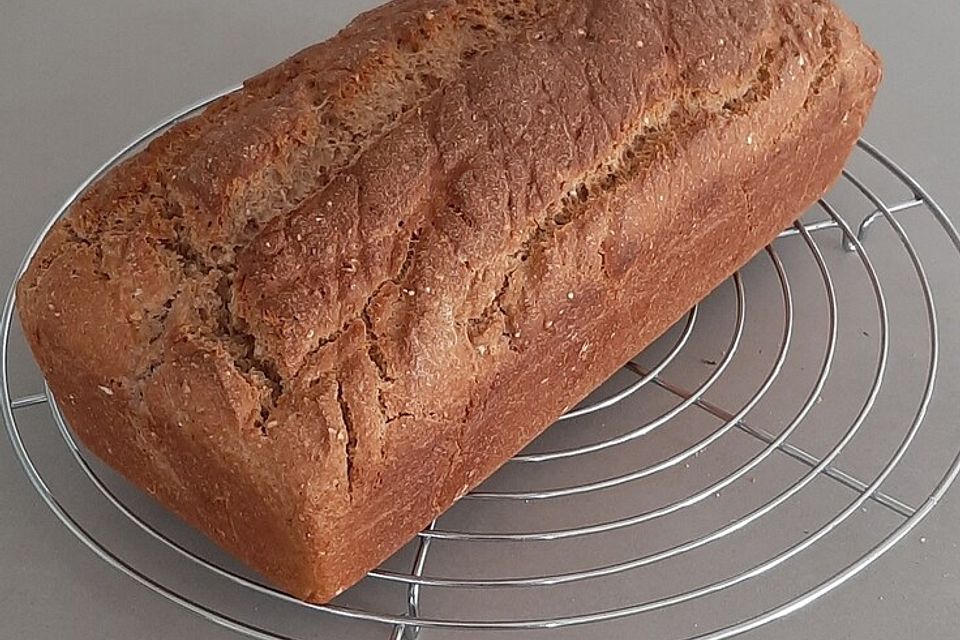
311	318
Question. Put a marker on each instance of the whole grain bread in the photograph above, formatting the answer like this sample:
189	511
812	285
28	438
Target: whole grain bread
311	318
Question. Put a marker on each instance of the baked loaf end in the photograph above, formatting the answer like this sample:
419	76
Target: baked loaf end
311	318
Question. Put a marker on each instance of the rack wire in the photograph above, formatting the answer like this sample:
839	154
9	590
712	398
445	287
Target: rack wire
447	585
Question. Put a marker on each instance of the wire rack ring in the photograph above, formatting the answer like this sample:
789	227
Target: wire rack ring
409	621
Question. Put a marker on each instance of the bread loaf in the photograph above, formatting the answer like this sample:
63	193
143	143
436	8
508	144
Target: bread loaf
311	318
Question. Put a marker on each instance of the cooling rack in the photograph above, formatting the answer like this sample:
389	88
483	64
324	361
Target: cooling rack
764	452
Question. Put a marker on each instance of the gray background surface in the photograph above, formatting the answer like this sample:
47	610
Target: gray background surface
78	80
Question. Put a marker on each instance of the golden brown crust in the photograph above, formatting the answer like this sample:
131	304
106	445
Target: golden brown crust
384	266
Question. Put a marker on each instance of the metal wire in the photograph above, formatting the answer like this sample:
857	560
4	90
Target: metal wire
795	452
406	625
629	390
653	425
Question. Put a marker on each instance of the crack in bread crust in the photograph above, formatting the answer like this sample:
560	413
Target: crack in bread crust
187	187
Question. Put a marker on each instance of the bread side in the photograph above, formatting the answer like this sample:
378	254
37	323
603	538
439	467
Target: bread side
310	373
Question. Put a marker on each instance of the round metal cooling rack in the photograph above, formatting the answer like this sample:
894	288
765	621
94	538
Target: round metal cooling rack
410	614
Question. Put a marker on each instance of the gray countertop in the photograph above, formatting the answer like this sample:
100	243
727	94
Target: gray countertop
80	79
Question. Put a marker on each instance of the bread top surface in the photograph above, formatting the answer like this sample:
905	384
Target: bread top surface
354	241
